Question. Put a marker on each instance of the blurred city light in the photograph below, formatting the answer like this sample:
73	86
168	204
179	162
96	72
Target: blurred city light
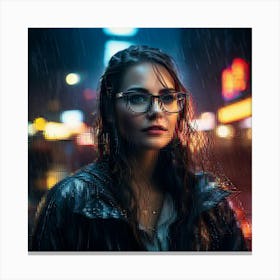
31	129
125	31
72	117
225	131
77	128
51	180
246	123
72	79
207	121
249	133
112	47
54	176
239	69
235	79
236	111
245	224
85	139
227	84
39	124
246	228
73	120
89	94
56	131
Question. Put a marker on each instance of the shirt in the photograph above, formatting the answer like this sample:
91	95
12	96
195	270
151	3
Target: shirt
160	240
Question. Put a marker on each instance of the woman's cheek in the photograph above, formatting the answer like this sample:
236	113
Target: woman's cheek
172	124
128	125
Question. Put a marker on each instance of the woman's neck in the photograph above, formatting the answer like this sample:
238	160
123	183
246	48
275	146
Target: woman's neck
148	194
143	164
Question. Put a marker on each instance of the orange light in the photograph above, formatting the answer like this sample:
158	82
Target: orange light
227	83
235	79
249	133
54	176
51	180
236	111
240	74
246	228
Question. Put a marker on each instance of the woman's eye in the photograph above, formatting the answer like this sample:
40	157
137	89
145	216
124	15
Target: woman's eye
167	98
137	98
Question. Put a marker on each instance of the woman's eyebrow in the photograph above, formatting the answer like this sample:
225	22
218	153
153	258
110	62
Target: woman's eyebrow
146	90
137	88
167	89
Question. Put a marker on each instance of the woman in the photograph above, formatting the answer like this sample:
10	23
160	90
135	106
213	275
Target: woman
142	194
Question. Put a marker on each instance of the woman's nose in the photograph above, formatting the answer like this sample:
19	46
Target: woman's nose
156	107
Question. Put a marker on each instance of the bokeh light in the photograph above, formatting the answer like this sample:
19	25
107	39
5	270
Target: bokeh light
40	123
31	129
235	111
72	79
72	117
125	31
112	47
56	131
225	131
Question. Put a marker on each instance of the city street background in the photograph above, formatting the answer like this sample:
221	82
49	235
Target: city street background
64	67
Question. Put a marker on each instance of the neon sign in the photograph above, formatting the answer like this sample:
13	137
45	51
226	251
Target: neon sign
235	79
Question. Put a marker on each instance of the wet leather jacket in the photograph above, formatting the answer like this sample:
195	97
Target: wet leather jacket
80	214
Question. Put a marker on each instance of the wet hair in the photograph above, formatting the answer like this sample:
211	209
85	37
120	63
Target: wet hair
177	162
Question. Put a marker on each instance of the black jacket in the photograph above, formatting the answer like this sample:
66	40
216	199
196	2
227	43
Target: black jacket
80	214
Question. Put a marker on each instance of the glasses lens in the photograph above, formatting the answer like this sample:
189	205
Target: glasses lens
138	102
173	102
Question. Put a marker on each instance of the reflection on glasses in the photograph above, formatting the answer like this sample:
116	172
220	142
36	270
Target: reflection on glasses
141	102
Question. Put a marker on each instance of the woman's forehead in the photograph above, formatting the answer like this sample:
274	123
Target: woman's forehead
147	75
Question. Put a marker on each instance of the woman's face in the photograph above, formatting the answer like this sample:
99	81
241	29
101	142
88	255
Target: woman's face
153	129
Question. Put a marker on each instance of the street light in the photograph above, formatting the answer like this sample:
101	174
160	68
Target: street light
72	79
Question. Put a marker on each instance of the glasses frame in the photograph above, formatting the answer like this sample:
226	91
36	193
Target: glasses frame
125	94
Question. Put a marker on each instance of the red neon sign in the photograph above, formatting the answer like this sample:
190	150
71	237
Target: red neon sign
235	79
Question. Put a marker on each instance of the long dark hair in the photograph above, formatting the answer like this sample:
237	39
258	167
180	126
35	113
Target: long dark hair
177	161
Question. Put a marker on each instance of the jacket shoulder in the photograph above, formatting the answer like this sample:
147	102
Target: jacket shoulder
61	212
208	191
85	192
216	210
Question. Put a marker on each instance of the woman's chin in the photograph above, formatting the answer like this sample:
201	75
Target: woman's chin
153	144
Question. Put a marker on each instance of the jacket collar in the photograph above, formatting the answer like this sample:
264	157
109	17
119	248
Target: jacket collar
208	192
96	201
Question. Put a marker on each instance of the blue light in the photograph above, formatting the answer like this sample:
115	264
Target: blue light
125	31
72	117
112	47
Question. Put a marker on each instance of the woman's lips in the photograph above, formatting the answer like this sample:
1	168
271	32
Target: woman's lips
154	130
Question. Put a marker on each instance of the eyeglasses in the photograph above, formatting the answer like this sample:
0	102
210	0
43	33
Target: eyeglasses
141	102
